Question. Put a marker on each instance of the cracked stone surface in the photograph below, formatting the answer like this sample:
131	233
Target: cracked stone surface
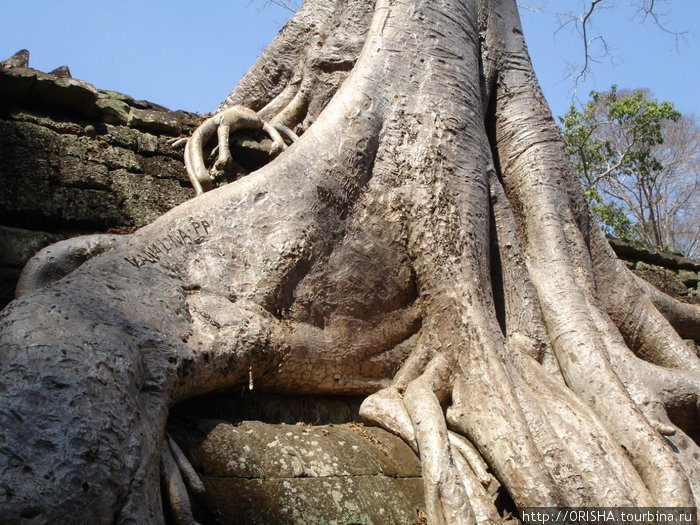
305	474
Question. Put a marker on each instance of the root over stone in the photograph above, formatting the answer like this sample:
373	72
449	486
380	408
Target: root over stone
423	243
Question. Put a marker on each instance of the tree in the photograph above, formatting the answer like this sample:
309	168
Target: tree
641	186
424	243
680	185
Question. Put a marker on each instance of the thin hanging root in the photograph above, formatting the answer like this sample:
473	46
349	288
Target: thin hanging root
284	130
177	492
468	451
294	111
283	99
658	419
278	144
231	119
177	142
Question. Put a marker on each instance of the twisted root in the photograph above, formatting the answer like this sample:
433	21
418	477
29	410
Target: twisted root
223	123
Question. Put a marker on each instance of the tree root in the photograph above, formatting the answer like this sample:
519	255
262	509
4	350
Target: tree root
229	120
178	473
59	259
312	71
453	471
437	256
186	469
445	495
684	318
177	491
582	334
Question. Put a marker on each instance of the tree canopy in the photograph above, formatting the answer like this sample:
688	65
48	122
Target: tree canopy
637	159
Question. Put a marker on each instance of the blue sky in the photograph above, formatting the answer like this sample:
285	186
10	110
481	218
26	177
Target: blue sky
188	55
641	54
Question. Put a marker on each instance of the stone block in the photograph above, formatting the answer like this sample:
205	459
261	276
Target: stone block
259	473
153	121
113	111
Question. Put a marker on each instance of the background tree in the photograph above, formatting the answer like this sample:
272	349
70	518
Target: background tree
425	243
638	161
679	181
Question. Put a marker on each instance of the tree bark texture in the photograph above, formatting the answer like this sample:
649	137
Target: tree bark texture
424	243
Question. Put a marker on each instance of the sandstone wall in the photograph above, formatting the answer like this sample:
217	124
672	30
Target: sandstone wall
674	274
76	160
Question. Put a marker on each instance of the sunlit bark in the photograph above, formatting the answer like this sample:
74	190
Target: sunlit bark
423	243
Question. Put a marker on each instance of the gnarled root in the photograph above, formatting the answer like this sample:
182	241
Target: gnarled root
455	476
453	492
313	59
223	123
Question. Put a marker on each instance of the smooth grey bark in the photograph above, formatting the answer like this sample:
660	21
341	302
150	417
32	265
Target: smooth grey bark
424	243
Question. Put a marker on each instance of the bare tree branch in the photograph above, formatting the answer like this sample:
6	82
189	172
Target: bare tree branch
648	10
594	44
290	5
584	30
582	23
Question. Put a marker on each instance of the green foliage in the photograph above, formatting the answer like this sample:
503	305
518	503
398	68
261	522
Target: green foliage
615	222
611	142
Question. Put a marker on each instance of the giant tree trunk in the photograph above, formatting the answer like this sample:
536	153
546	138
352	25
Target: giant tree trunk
424	243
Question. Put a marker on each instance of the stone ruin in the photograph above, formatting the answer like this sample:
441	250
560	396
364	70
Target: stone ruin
77	160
